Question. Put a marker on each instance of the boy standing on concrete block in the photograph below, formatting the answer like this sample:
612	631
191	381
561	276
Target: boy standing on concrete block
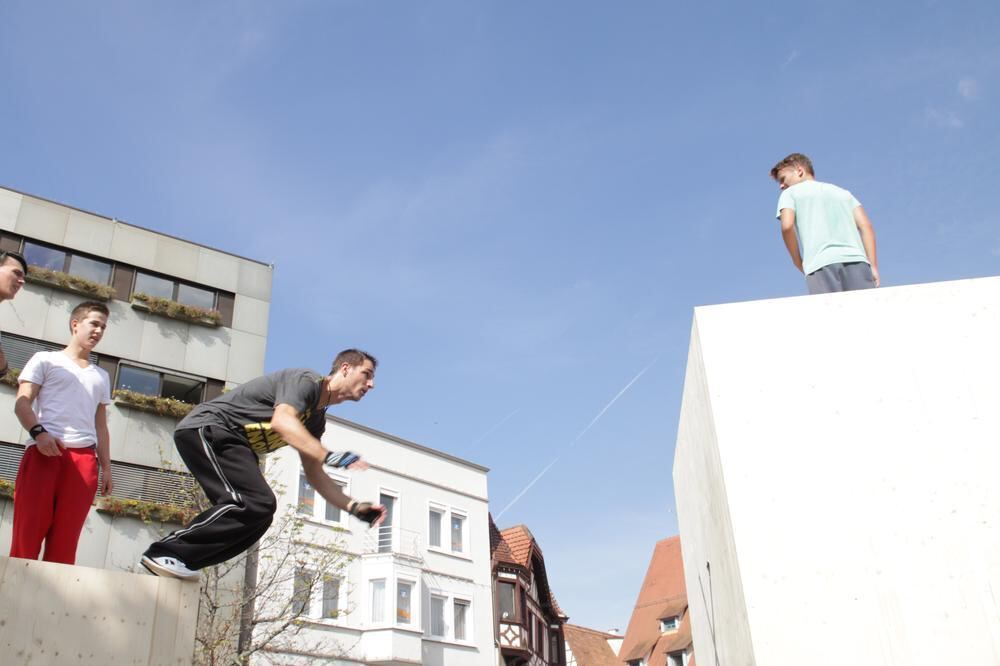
62	401
837	251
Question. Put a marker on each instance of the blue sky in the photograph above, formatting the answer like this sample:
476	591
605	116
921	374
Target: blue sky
515	206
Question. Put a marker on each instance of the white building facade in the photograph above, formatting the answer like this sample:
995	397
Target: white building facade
152	355
417	590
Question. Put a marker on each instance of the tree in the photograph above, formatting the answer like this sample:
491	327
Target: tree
256	607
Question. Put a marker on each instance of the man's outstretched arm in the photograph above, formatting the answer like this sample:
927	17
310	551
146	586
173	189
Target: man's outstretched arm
788	234
285	422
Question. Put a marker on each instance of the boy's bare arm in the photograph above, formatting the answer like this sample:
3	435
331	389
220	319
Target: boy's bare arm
788	234
47	443
104	449
867	232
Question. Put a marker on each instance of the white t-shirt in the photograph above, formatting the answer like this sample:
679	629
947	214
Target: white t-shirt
67	401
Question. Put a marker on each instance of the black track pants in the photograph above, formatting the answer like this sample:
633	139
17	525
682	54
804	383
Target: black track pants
243	504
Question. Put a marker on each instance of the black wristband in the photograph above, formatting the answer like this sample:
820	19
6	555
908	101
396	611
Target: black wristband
36	430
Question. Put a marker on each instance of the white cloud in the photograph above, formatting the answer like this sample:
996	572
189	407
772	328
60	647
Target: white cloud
968	88
942	118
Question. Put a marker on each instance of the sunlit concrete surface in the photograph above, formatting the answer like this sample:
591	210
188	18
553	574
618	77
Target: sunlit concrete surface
55	614
836	478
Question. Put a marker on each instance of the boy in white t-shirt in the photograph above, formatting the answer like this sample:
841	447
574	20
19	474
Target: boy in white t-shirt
62	402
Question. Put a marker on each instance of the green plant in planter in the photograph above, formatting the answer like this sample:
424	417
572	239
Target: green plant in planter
145	511
6	488
175	310
154	404
67	282
9	378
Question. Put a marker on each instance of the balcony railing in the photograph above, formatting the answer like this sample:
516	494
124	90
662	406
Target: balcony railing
393	540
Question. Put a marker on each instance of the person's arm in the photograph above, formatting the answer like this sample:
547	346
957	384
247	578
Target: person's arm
788	234
285	422
3	363
104	448
867	232
47	443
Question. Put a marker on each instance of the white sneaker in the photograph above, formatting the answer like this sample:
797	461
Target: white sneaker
169	567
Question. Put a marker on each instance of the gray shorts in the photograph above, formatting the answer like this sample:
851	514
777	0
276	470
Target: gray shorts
841	277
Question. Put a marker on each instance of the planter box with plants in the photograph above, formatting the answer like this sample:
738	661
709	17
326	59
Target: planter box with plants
153	404
145	511
9	378
174	310
71	283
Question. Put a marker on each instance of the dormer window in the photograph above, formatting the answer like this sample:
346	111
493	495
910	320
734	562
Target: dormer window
670	623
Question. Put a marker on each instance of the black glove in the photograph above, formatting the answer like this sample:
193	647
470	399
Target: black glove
364	511
340	458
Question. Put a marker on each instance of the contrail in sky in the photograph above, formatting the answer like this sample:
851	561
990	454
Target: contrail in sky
500	423
577	438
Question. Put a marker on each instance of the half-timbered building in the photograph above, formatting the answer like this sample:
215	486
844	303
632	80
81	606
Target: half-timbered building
529	622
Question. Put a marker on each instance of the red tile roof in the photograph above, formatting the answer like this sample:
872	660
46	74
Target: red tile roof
519	540
662	595
499	549
590	647
517	545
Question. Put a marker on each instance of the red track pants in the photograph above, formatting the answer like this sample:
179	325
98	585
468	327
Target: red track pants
52	496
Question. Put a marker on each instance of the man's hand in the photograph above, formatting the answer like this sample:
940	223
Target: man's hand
373	514
878	280
49	445
107	485
339	459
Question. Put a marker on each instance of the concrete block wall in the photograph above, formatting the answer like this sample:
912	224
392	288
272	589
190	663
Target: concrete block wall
53	614
835	478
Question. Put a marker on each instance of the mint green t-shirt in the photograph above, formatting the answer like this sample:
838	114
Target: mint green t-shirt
824	221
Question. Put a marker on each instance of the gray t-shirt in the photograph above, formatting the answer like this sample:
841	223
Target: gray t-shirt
248	408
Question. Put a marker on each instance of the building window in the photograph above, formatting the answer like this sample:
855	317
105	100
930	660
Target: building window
19	350
378	600
331	597
457	533
315	507
438	517
669	623
505	601
404	595
434	529
196	296
301	591
186	294
307	496
461	619
161	384
67	262
437	615
554	646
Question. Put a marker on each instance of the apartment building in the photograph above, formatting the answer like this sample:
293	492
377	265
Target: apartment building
416	590
186	322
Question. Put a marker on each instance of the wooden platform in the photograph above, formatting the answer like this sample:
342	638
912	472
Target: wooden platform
58	614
